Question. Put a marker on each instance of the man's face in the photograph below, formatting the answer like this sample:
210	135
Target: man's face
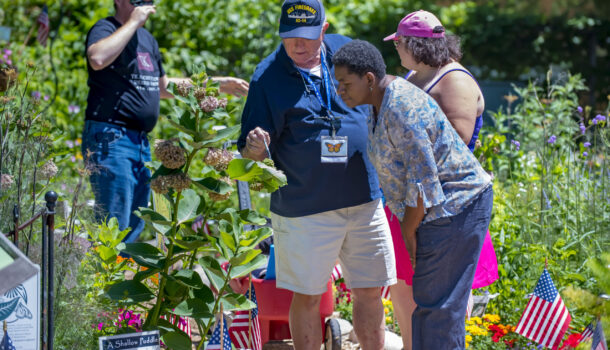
304	52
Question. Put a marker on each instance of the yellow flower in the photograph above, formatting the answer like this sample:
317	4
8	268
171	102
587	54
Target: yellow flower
475	330
468	338
388	319
476	320
492	318
386	310
386	302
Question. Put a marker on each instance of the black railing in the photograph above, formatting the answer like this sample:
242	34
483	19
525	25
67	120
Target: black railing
46	263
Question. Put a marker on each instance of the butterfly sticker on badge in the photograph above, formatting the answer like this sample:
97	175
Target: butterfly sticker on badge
334	149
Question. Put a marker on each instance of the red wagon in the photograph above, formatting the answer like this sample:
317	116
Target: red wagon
273	307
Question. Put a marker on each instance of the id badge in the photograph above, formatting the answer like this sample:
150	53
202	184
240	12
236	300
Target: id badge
334	149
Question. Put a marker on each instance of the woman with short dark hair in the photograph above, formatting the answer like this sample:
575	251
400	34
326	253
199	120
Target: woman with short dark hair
433	185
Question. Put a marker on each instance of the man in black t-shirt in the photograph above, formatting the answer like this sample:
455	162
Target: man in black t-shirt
126	81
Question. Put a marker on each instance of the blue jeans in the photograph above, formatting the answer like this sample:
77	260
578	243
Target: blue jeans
119	180
447	253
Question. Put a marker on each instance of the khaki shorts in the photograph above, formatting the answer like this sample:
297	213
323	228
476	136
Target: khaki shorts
307	247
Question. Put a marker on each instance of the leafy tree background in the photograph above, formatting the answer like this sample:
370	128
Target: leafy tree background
512	40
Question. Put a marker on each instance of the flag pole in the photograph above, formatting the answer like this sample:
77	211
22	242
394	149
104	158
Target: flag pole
250	342
222	327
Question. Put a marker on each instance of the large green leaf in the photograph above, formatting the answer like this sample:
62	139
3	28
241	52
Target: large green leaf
190	242
252	217
258	262
145	255
209	140
177	341
187	208
130	291
228	240
193	308
234	301
189	278
107	254
213	271
244	257
213	185
152	216
244	169
254	237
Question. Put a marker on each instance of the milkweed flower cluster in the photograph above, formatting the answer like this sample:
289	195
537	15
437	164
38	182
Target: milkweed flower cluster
218	158
48	170
6	181
171	155
211	103
162	184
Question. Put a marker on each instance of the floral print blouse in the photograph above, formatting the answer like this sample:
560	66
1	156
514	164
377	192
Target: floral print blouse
417	152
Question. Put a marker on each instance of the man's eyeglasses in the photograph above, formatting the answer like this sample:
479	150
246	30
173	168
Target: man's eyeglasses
397	43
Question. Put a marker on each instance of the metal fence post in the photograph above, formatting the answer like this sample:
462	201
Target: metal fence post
51	199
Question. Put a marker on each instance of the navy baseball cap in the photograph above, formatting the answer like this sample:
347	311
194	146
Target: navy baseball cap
301	19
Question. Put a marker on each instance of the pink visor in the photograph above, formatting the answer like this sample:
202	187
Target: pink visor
422	24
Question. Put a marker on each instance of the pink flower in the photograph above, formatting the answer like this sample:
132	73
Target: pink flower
73	109
100	326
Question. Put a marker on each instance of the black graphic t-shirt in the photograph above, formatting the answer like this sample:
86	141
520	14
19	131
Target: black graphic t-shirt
127	91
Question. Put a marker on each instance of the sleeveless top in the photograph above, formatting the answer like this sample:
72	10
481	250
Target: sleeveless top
478	124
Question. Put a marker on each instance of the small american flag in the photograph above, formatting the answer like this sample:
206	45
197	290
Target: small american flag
246	327
7	343
43	28
385	292
337	273
587	333
599	341
470	305
214	343
546	318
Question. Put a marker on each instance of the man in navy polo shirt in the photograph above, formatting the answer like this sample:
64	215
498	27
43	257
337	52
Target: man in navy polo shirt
126	81
331	207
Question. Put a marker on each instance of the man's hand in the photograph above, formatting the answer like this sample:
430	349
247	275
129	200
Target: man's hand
140	14
232	86
255	144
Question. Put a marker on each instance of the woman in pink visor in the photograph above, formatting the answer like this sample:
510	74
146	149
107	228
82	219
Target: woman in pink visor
432	59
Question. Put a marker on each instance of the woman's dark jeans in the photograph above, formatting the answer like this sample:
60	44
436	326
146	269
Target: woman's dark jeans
447	253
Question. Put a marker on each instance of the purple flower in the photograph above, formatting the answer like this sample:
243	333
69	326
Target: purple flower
587	144
552	139
9	62
7	52
584	154
516	143
582	128
46	97
73	109
599	118
36	95
70	143
579	109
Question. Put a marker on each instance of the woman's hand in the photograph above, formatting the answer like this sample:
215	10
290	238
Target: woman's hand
232	86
